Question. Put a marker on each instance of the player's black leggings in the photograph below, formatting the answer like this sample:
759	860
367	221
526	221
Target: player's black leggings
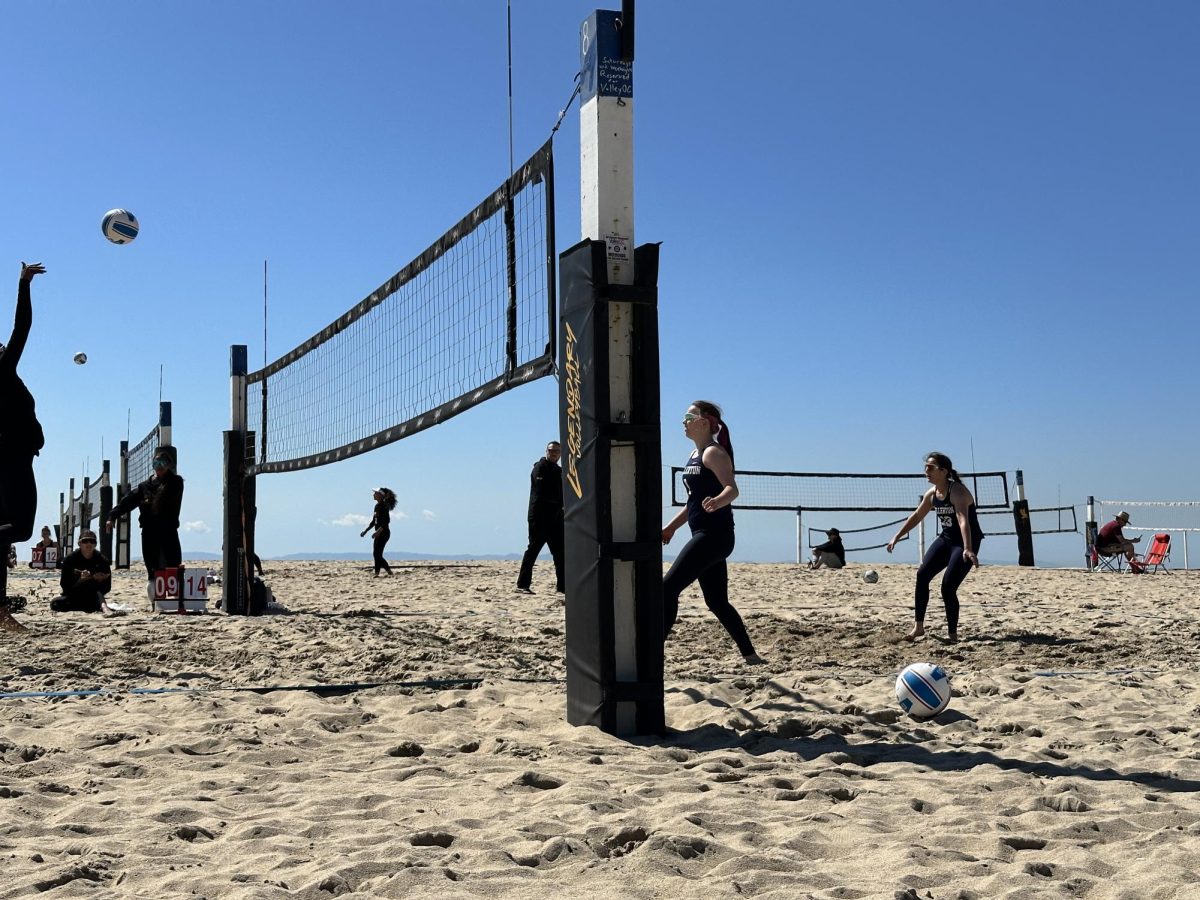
18	506
703	559
160	549
943	555
382	536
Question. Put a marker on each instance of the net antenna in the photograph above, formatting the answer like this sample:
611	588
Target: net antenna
468	319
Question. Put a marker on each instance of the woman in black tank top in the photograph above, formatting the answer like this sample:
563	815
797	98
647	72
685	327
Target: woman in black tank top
711	488
956	547
385	502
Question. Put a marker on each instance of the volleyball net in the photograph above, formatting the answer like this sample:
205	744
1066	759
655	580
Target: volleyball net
470	318
1042	520
1178	518
77	510
862	536
845	492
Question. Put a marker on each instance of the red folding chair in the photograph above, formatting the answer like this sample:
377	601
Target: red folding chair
1156	554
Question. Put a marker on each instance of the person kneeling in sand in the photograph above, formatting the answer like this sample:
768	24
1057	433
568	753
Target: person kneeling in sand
86	578
831	554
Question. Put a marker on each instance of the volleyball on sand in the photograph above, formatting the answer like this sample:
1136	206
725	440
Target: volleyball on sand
923	690
870	576
119	225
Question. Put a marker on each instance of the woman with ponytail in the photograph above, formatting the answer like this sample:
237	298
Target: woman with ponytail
711	488
956	547
385	502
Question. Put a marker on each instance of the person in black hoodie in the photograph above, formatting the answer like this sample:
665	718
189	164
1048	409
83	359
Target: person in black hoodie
21	439
545	518
831	554
158	500
86	578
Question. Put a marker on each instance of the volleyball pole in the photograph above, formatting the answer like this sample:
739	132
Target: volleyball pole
609	412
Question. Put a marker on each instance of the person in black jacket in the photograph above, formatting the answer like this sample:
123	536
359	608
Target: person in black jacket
385	502
86	578
831	554
545	518
158	500
21	435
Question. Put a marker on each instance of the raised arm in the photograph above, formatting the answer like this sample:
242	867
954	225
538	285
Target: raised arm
11	354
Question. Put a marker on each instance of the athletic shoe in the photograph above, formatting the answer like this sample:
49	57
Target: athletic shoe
524	590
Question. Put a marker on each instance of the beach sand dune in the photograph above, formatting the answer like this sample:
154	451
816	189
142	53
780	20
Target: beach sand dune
1067	764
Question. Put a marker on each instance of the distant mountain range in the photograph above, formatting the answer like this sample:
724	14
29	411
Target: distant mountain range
357	557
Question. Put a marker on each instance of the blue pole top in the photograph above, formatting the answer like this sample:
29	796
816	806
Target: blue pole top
603	71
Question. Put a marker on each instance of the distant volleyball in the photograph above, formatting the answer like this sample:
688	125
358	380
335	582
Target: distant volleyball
870	576
80	358
923	690
119	225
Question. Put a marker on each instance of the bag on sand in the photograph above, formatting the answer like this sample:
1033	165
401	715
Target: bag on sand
260	597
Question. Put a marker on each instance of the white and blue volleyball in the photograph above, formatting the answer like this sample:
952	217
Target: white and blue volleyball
923	690
119	225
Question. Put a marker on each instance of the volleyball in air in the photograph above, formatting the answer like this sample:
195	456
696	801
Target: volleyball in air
119	225
80	358
870	576
923	690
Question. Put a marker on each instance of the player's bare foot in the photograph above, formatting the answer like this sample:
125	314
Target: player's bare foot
8	623
915	632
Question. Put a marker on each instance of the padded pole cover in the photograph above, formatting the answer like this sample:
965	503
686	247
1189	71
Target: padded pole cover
594	688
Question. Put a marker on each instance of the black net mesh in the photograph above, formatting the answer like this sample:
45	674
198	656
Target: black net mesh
1151	515
857	540
1043	520
470	317
846	492
139	460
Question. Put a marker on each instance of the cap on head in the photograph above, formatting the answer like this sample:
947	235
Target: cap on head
1123	516
87	536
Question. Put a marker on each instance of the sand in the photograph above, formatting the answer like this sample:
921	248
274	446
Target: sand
1067	764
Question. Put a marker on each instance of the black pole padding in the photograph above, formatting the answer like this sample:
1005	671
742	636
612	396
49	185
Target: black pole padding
594	688
627	30
233	591
106	536
1024	529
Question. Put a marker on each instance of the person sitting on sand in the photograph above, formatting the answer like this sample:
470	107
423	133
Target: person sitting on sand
831	554
86	578
955	549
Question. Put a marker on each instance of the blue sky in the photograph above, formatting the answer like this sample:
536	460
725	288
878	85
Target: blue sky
886	228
